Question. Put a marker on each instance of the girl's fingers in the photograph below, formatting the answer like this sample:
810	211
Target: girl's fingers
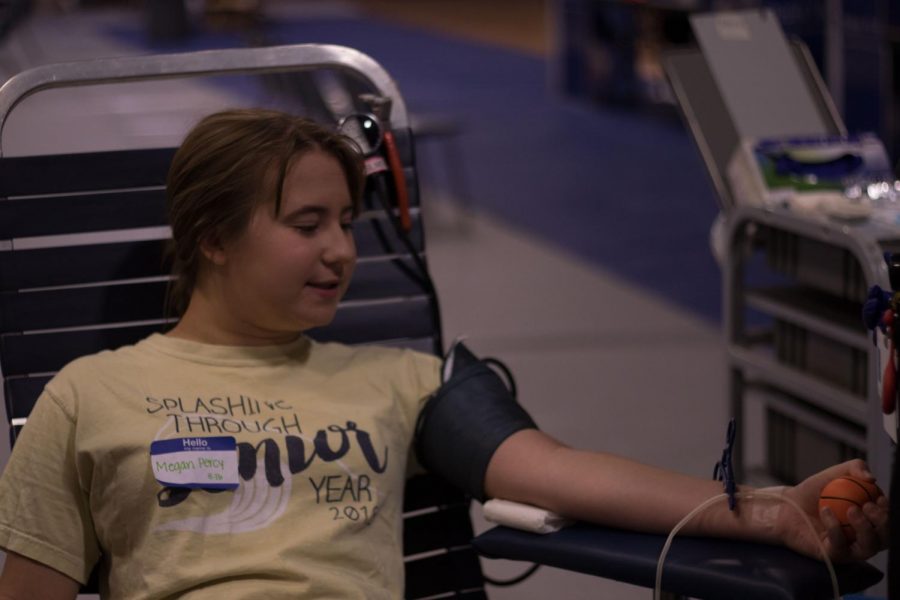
857	468
866	543
877	514
861	470
833	533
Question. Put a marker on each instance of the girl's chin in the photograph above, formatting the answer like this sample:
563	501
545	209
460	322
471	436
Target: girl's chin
313	321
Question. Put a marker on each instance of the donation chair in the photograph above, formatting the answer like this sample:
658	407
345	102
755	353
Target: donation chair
82	269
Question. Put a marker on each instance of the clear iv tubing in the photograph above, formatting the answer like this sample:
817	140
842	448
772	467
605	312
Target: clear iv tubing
743	496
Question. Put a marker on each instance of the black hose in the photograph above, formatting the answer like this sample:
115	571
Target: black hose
517	579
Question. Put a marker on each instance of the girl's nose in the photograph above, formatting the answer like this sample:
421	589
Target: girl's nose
340	247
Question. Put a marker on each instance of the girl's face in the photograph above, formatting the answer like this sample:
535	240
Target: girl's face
286	273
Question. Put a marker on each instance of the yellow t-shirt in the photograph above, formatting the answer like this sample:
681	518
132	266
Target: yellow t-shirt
322	430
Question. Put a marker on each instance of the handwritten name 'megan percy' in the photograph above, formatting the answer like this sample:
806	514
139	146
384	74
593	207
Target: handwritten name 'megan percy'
176	466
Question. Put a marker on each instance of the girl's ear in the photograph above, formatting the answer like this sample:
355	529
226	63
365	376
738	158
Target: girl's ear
213	250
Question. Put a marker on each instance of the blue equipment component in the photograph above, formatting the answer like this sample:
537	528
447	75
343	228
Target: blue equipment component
724	470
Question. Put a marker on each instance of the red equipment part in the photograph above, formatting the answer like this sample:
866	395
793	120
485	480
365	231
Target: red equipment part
399	180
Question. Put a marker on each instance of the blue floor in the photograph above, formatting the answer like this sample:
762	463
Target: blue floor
621	189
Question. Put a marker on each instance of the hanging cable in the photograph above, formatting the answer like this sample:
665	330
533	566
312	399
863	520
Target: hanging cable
744	496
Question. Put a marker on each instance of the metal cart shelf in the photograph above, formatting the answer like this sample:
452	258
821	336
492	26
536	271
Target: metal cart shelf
799	344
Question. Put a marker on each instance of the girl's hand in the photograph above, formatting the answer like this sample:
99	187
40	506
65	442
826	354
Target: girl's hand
870	523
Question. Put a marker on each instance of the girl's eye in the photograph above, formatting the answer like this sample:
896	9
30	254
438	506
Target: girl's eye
307	228
311	228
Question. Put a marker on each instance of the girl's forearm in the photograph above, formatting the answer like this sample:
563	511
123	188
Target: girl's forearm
603	488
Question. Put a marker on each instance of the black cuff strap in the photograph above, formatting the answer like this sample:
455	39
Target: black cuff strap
465	421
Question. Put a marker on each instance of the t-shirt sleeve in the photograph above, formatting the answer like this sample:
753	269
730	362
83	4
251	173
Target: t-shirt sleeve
44	510
423	379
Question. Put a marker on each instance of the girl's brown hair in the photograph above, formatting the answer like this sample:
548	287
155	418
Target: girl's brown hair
230	163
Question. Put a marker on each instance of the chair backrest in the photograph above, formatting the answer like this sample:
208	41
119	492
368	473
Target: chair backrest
82	269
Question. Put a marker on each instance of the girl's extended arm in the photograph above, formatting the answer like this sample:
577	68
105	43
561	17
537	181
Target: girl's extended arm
24	579
533	468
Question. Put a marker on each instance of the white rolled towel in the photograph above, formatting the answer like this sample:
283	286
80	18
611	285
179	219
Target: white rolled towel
524	516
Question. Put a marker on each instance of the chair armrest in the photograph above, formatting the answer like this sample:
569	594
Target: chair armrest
697	567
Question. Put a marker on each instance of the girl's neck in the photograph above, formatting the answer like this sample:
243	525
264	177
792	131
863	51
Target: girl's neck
203	321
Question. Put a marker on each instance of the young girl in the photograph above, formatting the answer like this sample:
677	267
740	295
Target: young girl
203	463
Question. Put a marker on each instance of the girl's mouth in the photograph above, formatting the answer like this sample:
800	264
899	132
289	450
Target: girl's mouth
325	289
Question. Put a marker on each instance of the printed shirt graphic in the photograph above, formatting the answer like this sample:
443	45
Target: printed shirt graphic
321	431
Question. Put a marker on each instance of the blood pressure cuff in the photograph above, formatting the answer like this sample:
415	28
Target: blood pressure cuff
466	420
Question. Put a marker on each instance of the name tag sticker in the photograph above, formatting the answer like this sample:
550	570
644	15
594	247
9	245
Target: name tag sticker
196	462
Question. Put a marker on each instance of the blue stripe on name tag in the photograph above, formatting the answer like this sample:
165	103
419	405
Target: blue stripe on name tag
193	444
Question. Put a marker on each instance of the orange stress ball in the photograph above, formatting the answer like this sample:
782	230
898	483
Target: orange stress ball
842	493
